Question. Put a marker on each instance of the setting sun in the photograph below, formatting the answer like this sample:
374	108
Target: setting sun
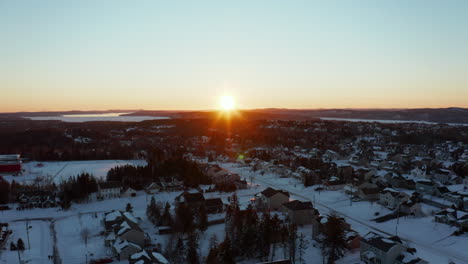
227	103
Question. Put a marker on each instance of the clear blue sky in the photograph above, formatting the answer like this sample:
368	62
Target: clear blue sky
62	55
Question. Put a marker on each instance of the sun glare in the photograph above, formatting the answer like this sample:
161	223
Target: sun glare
227	103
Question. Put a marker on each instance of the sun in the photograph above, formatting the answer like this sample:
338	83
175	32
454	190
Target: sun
227	103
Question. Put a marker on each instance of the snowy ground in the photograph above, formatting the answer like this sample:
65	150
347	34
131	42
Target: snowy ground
432	240
40	239
61	170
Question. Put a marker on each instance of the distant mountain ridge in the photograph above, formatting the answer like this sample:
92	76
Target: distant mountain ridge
437	115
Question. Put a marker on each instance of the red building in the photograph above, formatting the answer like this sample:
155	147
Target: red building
10	164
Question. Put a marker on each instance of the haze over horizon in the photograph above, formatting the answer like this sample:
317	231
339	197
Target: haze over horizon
90	55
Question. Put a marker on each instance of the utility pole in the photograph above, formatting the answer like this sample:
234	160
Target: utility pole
27	232
19	257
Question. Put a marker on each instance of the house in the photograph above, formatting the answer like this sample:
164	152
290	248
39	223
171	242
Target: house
391	198
270	199
353	239
214	205
453	217
108	190
192	200
377	249
153	188
130	231
124	249
442	191
171	186
419	172
368	191
128	192
111	219
334	183
241	184
441	175
37	199
147	257
299	213
220	175
426	187
411	207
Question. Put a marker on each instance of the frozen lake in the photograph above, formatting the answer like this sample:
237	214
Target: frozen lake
388	121
98	117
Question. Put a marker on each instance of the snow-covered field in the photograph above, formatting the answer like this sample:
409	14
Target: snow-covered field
58	171
40	239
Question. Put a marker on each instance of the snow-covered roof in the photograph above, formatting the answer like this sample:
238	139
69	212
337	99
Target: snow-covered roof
130	217
113	216
160	258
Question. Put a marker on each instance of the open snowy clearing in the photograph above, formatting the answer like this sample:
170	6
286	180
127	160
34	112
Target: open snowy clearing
62	170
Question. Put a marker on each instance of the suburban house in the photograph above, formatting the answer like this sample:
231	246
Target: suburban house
147	257
426	187
153	188
130	231
459	198
124	249
108	190
410	207
128	192
419	172
376	249
334	183
220	175
214	205
37	199
391	198
353	239
270	199
368	191
453	217
192	200
299	213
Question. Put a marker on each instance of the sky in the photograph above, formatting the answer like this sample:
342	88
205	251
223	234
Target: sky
182	55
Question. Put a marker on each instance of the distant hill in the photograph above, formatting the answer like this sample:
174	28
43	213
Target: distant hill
437	115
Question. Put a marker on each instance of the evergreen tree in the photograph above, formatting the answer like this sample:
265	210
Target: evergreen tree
334	244
166	218
292	230
203	218
20	244
129	208
13	246
178	254
192	249
225	252
302	247
212	257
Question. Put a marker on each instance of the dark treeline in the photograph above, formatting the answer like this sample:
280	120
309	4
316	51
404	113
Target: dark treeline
78	188
178	168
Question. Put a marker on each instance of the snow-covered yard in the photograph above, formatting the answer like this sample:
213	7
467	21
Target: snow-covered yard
40	240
